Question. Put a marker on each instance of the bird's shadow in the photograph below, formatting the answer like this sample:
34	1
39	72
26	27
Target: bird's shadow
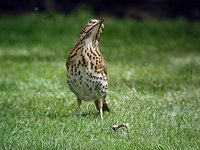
88	114
59	115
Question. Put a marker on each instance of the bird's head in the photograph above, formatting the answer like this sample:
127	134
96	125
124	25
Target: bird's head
92	30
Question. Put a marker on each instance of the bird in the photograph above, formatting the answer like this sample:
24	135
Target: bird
86	68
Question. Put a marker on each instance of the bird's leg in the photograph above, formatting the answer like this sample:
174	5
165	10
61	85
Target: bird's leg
101	113
99	106
79	102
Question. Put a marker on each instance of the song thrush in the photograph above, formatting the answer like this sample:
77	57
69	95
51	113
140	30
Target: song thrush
87	74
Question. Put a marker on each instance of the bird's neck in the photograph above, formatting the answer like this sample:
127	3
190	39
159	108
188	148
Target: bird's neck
89	42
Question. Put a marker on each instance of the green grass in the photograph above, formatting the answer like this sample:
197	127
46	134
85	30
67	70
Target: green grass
154	84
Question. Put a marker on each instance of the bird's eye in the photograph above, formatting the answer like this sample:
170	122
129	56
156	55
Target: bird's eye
90	22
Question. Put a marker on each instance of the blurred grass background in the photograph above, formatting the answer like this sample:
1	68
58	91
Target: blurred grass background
154	84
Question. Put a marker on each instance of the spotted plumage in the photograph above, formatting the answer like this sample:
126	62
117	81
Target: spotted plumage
87	74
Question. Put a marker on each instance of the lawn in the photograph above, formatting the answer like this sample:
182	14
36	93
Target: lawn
154	84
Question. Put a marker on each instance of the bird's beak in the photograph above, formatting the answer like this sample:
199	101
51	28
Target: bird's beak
101	21
100	25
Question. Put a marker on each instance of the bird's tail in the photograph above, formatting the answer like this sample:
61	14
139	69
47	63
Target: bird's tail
105	106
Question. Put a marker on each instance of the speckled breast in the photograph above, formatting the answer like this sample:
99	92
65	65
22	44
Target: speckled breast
86	84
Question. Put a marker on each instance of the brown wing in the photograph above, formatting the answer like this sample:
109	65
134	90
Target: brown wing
69	59
72	55
101	68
